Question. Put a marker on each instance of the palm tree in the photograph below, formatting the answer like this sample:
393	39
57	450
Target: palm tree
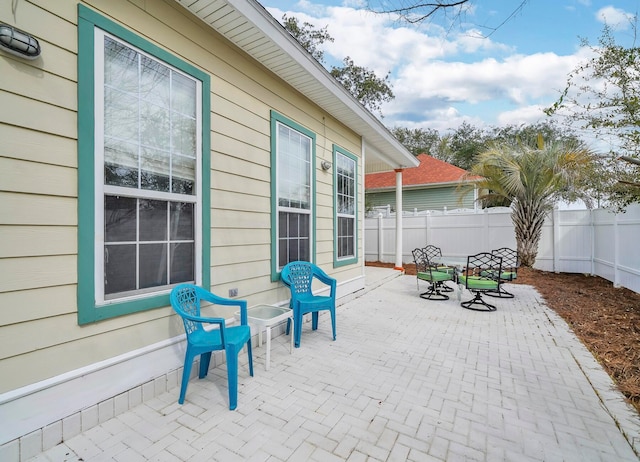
532	176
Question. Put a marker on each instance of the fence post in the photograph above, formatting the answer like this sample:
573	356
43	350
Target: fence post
380	240
485	231
555	248
616	251
592	229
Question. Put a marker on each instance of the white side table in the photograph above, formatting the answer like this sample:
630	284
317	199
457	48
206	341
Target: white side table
264	317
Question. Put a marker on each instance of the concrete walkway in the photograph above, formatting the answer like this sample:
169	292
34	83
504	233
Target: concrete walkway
406	380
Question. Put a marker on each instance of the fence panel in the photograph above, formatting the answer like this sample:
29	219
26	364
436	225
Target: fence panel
573	241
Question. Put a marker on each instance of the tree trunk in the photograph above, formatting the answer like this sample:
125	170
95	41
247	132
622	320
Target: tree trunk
528	219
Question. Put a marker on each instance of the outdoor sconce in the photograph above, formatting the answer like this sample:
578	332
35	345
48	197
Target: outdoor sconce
326	165
18	42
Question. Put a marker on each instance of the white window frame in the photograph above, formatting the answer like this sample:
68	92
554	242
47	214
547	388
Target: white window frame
339	155
101	189
278	121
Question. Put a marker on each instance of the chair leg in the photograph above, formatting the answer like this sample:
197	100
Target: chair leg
314	320
434	293
500	293
478	300
333	322
205	361
232	375
186	372
250	354
445	288
297	330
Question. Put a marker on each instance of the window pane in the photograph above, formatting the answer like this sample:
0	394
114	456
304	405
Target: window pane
153	220
154	174
120	66
119	268
120	163
182	263
346	237
155	123
182	224
153	265
119	219
183	135
294	242
120	115
184	174
183	95
154	82
294	169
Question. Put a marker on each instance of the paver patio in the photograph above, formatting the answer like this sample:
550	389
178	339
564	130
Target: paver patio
406	380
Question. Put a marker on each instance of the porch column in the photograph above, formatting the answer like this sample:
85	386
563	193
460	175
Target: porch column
399	231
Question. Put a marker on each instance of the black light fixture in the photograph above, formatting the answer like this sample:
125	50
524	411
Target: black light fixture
18	42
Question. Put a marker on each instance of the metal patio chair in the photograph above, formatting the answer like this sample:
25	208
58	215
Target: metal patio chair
431	251
510	264
427	271
481	276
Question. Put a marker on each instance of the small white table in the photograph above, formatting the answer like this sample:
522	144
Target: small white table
264	317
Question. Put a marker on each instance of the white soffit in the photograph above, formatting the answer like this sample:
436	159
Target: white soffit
250	27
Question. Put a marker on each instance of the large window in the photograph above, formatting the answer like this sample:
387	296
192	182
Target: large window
345	207
142	187
293	180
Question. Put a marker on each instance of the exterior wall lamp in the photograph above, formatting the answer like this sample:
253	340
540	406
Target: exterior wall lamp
18	42
326	165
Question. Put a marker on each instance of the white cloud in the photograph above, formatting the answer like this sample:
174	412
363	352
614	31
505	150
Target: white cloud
616	18
441	79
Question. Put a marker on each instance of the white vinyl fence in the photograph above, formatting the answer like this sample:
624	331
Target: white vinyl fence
596	242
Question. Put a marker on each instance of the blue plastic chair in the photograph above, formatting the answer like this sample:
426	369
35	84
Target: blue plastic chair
185	299
299	276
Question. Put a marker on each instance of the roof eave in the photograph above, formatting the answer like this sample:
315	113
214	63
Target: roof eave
273	47
423	185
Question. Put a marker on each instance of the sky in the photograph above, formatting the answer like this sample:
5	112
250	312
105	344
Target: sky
496	65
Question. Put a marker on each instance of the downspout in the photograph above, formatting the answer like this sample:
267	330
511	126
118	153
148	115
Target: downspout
399	230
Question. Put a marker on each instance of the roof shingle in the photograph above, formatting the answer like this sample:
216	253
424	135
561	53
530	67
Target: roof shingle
430	171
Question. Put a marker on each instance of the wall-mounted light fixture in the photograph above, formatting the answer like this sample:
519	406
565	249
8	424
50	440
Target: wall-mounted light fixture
326	165
18	42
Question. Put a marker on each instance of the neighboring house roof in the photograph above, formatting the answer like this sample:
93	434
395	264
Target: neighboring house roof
249	26
430	172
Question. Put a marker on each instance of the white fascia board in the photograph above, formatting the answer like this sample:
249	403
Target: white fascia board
319	85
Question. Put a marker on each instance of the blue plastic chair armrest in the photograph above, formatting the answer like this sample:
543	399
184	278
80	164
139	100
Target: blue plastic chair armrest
217	300
326	279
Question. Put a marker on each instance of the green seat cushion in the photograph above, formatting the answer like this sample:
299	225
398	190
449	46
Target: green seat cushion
505	275
476	282
434	276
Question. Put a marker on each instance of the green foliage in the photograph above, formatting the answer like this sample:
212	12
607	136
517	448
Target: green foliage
418	140
602	96
532	175
308	36
363	83
465	144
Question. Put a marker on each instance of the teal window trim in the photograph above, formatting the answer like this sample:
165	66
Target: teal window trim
275	118
88	310
337	150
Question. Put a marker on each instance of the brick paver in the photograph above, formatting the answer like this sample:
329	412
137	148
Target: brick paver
406	380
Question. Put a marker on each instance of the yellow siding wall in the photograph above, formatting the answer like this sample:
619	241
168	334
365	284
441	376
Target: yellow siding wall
39	334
